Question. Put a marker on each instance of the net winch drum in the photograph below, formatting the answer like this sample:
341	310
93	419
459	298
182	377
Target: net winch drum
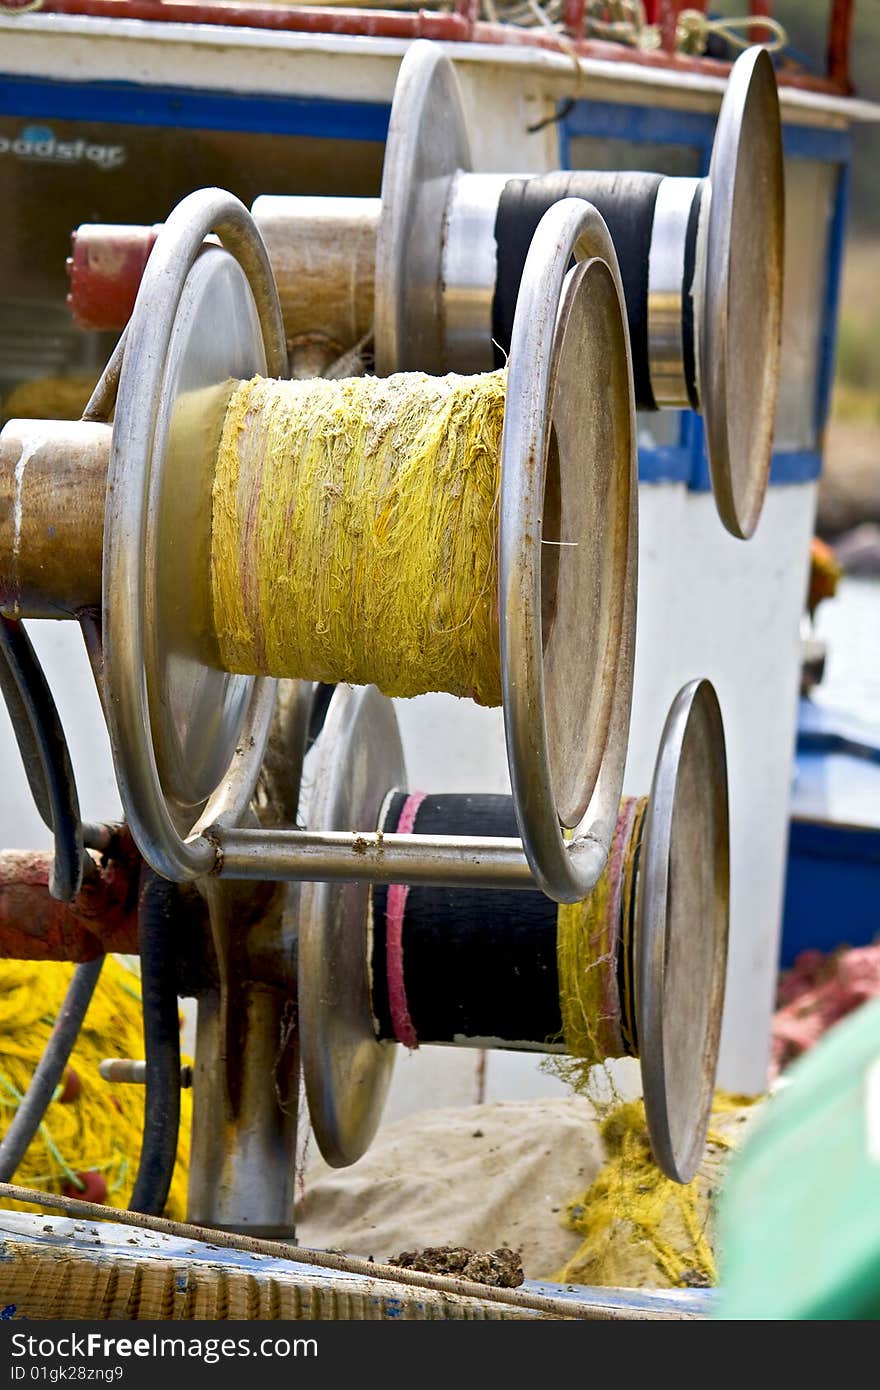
435	264
701	261
187	737
479	969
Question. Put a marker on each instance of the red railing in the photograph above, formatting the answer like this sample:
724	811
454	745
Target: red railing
462	26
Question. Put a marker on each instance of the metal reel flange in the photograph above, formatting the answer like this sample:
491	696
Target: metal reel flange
568	550
426	146
436	264
680	949
739	332
187	738
346	1070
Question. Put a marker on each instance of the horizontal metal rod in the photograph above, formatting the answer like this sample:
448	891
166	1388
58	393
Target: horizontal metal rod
326	856
130	1072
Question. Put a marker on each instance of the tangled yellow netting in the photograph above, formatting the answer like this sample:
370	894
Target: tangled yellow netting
594	959
354	532
49	398
99	1130
639	1228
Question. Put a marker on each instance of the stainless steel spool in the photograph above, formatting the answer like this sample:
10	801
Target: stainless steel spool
739	333
435	264
188	738
346	1071
683	911
680	945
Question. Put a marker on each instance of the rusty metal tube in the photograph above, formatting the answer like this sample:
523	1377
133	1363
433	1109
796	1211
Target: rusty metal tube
323	255
103	917
105	267
53	476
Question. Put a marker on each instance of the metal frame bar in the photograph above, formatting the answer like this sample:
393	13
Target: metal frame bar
292	856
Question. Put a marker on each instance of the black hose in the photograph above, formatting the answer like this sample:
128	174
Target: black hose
44	752
50	1068
156	933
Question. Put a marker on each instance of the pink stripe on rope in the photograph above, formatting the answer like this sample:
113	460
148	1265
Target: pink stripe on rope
395	908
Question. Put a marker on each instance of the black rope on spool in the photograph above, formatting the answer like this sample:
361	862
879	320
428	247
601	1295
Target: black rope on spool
688	338
626	202
480	964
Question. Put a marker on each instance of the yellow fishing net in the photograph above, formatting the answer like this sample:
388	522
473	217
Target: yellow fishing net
99	1130
49	398
640	1229
354	532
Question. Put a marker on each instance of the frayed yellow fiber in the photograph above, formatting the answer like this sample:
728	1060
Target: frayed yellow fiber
640	1229
586	956
48	398
101	1129
593	940
354	532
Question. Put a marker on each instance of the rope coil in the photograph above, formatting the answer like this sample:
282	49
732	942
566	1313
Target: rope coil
594	955
354	533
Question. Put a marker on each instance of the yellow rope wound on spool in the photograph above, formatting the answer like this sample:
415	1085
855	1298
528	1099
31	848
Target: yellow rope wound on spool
94	1126
594	958
354	532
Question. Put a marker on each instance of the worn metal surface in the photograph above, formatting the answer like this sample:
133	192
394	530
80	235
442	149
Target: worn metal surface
346	1069
198	713
665	281
566	744
467	273
323	253
105	266
242	1171
427	143
127	1071
740	262
102	917
242	1158
683	912
367	856
53	478
172	347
